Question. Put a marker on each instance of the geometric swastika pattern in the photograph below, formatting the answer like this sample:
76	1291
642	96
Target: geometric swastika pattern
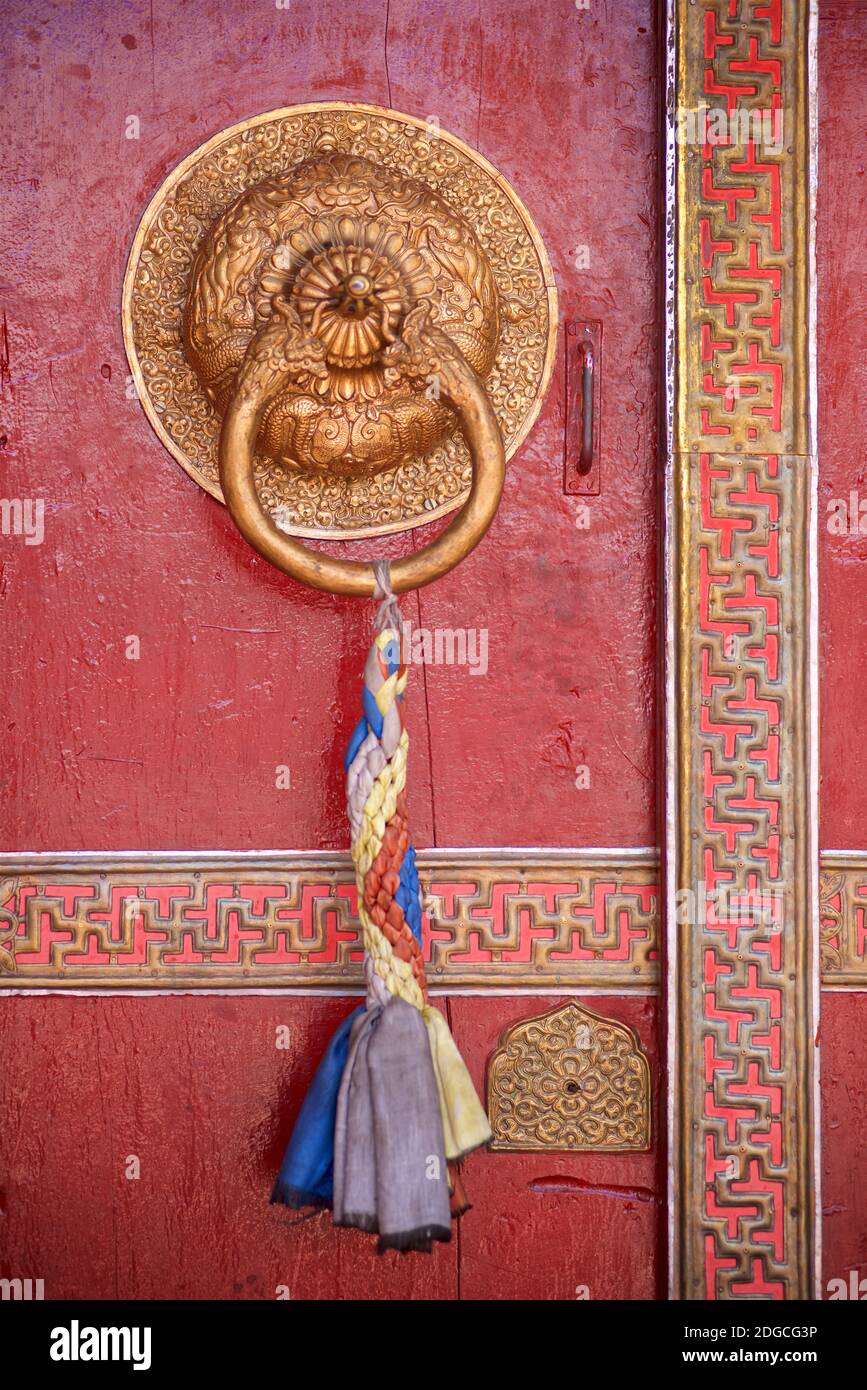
738	118
843	918
557	919
550	919
745	957
742	948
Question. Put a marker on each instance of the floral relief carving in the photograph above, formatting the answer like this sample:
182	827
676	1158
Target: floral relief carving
492	286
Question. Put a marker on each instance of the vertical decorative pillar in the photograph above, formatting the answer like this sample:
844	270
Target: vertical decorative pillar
741	851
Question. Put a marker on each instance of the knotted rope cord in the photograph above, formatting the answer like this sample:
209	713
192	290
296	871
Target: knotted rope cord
389	898
354	1126
388	614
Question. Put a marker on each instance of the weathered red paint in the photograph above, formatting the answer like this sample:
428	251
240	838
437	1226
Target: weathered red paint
844	1136
561	1226
842	213
842	361
241	670
196	1089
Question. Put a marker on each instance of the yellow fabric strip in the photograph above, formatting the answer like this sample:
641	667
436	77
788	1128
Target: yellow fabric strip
465	1124
379	809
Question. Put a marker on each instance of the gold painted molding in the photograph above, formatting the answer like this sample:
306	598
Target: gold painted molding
498	919
513	919
843	918
741	796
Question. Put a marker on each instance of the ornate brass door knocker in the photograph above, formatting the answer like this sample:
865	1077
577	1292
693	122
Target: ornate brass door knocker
320	306
322	309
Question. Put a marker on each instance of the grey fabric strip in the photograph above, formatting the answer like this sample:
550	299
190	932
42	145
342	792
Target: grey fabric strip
354	1136
390	1171
412	1193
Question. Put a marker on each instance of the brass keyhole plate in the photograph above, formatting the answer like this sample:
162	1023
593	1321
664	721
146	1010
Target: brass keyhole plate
570	1079
195	195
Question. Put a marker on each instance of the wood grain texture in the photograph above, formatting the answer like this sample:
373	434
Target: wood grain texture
844	1136
241	671
842	361
545	1225
199	1092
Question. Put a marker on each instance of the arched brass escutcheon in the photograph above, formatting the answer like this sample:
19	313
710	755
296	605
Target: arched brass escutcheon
569	1079
353	319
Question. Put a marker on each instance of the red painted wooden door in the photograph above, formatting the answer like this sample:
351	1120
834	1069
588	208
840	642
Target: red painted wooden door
842	334
242	671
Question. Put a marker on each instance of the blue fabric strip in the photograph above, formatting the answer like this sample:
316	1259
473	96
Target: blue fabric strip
359	734
371	711
407	893
306	1176
390	654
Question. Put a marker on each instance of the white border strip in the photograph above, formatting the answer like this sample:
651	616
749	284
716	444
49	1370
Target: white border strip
667	922
115	861
813	630
442	991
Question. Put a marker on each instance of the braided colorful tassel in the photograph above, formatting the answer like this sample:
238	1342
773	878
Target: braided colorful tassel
391	1109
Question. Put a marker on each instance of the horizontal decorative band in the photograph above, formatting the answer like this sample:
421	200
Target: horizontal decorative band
843	918
503	918
266	920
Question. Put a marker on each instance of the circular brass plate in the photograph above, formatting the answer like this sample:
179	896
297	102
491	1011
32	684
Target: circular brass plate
199	190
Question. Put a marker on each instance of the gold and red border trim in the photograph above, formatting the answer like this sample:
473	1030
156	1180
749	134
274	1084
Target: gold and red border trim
513	919
843	919
540	920
740	669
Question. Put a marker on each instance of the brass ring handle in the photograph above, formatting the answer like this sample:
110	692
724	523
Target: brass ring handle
282	350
